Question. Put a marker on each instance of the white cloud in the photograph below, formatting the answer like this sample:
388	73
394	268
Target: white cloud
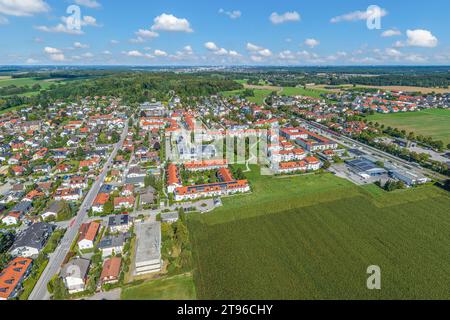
256	58
137	40
253	47
235	14
114	42
59	28
265	53
257	50
107	52
188	50
21	8
415	58
233	53
147	33
359	15
168	22
54	54
57	57
3	20
31	61
87	55
89	21
80	45
399	44
286	55
391	52
391	33
88	3
285	17
62	27
160	53
312	43
134	53
50	50
421	38
211	46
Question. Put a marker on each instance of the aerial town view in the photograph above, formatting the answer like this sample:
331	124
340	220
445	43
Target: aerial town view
224	151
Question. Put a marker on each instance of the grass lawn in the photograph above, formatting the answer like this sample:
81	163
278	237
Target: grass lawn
175	288
313	237
433	122
260	95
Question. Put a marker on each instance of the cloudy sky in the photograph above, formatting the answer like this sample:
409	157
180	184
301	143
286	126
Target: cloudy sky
224	32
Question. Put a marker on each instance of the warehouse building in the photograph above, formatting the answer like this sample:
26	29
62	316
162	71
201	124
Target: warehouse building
365	168
409	178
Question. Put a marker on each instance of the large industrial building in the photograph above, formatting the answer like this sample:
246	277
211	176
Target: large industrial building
365	168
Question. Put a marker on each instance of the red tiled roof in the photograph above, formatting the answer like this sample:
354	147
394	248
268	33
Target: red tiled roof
12	275
88	231
205	164
111	268
119	201
173	174
225	175
101	199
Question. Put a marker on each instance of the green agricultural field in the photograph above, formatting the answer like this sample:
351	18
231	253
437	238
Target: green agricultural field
21	82
313	237
260	95
242	81
313	93
176	288
433	122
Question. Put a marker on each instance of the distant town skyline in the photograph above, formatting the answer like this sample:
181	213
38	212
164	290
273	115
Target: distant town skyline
202	32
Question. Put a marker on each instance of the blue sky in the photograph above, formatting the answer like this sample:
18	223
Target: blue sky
228	32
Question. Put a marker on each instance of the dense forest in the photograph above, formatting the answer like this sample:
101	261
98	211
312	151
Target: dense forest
376	76
132	87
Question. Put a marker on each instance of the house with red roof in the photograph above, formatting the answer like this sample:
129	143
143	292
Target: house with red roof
88	232
111	270
173	180
99	202
123	203
12	277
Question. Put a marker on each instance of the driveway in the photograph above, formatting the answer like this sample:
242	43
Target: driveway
110	295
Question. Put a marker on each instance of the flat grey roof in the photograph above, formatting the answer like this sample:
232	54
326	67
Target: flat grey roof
148	236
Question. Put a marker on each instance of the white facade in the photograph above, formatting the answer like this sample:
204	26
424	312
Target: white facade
25	252
86	244
74	284
108	252
48	214
213	193
10	221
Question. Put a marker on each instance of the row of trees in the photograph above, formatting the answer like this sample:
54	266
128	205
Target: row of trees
391	185
176	245
422	158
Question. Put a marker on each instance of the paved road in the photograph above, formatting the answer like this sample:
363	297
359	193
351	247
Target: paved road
57	258
346	141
